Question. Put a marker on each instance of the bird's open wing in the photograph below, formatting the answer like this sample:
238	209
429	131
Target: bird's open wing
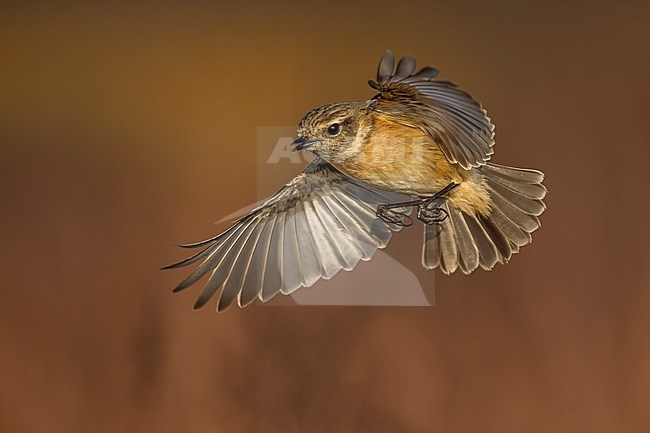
454	120
316	225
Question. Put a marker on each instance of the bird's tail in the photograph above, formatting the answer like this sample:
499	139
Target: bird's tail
465	241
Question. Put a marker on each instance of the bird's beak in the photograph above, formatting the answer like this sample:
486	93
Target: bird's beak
302	143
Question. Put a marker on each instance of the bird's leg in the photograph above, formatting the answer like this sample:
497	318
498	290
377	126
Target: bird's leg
430	212
426	213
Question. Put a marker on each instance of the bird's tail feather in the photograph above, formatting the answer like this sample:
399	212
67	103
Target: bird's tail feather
466	241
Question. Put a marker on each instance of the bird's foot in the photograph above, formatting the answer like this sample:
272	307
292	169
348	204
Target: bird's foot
431	215
430	212
389	215
428	209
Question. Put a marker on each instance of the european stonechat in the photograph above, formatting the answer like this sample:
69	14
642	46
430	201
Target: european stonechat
419	144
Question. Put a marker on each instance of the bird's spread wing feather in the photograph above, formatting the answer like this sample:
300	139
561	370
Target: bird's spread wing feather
316	225
453	119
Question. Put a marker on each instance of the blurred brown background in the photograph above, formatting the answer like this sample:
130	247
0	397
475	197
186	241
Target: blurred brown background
127	128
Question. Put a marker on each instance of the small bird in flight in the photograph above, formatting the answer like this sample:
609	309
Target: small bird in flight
418	144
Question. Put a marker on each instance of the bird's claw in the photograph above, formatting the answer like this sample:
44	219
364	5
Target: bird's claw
389	216
429	211
432	215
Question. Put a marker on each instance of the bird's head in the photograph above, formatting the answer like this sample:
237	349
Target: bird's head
333	131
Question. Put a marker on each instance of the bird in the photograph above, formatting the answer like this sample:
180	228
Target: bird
419	144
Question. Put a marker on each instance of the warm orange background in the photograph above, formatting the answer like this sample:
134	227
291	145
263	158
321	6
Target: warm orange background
126	128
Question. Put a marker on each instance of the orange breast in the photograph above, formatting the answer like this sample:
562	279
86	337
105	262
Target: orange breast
405	159
401	158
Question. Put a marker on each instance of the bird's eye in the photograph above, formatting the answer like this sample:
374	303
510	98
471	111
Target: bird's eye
334	129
